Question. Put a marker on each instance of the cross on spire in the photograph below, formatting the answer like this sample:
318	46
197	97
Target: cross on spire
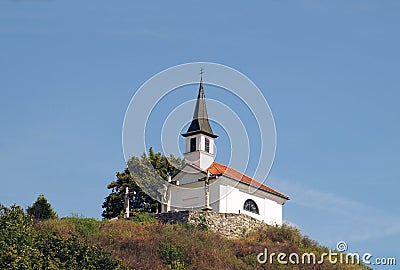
201	74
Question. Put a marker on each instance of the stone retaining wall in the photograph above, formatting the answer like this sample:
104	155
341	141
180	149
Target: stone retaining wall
227	224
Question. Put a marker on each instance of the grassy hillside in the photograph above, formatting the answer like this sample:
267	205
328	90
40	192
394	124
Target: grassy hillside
144	243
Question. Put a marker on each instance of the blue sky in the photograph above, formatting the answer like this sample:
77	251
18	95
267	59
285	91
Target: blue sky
329	70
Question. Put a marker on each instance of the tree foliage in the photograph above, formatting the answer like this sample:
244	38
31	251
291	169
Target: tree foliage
23	247
146	170
41	209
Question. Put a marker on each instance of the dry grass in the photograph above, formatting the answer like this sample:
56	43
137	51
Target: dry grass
152	245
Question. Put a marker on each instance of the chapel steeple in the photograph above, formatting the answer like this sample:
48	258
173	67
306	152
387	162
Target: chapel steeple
199	136
200	122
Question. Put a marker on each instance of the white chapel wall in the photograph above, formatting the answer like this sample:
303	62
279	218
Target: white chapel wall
233	198
226	196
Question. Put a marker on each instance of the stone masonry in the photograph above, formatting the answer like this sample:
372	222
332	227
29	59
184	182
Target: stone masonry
226	224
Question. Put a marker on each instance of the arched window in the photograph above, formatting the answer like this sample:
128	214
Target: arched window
251	206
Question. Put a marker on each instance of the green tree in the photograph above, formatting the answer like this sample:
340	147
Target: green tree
41	209
146	170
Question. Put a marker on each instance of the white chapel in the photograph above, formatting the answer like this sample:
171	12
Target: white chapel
205	185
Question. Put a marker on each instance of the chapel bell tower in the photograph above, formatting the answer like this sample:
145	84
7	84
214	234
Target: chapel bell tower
199	136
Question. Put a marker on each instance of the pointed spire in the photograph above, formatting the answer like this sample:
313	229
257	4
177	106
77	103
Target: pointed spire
200	122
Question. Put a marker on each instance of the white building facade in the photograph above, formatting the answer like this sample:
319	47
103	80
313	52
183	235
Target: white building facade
205	185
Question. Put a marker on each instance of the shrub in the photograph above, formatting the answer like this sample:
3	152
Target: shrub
142	217
173	255
23	247
202	223
84	226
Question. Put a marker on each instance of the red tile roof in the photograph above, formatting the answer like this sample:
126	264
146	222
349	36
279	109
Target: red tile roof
219	169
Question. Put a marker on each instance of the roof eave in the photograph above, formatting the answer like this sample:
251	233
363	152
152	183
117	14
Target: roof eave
258	188
191	133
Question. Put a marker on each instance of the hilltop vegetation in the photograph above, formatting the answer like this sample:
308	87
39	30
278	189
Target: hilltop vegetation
140	243
23	246
143	169
38	239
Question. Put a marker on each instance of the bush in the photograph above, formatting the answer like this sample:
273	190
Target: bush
202	223
84	226
23	247
142	217
173	255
